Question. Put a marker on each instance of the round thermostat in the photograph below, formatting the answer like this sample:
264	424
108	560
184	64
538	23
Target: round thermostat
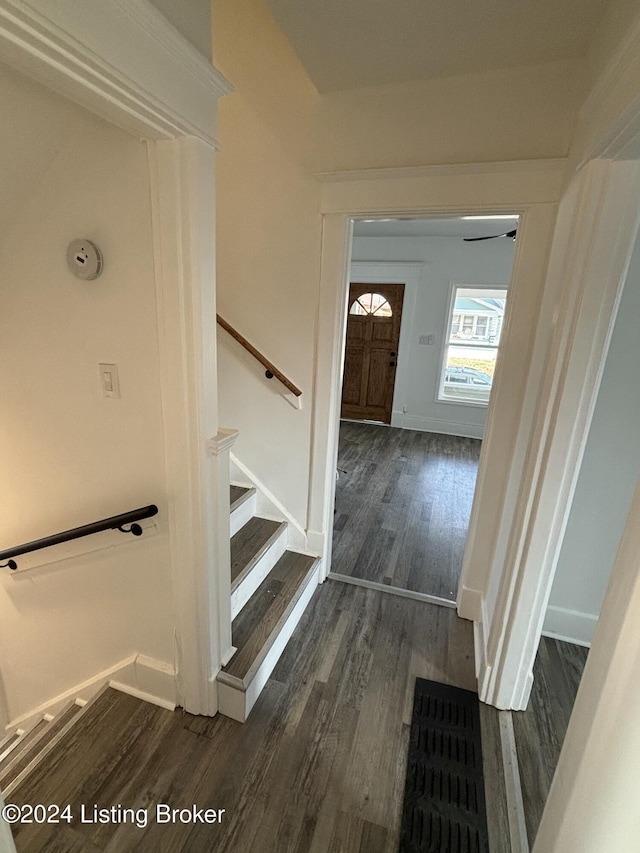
84	259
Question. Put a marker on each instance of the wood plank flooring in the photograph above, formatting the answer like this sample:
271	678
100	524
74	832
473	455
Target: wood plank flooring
319	766
540	730
403	501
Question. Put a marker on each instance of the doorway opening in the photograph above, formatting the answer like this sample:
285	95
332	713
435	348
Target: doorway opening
426	306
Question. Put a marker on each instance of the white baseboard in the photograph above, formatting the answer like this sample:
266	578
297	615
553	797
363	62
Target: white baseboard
444	427
469	604
153	680
570	626
149	679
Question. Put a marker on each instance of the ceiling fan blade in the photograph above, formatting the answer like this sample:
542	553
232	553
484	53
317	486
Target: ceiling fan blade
511	234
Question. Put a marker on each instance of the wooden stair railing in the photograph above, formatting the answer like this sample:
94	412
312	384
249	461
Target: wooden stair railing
271	369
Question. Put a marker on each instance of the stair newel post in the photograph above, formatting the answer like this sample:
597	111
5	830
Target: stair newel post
219	448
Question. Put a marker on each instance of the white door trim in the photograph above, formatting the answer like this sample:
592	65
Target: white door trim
601	218
526	189
125	62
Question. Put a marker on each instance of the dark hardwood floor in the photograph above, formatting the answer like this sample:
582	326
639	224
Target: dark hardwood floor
540	730
403	500
319	766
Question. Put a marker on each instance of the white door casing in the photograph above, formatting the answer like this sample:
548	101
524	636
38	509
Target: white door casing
531	189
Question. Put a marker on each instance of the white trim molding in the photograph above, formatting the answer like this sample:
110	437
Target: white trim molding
498	167
444	427
570	626
531	193
603	226
122	60
139	675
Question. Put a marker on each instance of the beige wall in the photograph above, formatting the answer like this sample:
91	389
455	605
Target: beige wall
69	456
268	246
514	114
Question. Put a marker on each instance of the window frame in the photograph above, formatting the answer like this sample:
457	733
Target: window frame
454	287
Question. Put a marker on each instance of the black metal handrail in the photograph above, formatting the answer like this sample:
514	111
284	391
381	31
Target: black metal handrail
116	522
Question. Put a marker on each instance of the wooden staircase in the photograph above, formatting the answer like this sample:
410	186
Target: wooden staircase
270	589
22	751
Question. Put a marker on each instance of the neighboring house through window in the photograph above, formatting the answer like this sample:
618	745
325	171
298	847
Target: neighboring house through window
472	336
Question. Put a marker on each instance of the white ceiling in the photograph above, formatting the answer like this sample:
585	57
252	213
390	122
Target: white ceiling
345	44
451	227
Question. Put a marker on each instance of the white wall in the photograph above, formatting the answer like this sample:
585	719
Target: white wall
447	261
608	475
67	455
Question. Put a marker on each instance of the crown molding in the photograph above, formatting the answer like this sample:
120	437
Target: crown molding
608	81
445	170
149	18
121	60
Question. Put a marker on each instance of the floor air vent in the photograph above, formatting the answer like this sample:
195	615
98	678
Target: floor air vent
444	804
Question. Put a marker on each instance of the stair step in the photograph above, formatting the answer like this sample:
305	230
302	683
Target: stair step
36	746
263	629
242	506
248	545
21	744
255	549
8	744
238	495
252	628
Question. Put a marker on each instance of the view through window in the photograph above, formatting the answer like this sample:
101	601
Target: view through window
472	335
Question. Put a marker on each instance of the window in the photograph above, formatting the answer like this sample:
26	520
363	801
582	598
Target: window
373	304
472	337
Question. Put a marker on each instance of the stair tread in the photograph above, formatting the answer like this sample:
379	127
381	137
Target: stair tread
238	495
9	741
254	624
22	743
249	542
25	756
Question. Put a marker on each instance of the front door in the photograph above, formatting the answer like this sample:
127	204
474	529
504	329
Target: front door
373	332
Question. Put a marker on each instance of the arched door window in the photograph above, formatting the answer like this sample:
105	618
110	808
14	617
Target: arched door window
372	304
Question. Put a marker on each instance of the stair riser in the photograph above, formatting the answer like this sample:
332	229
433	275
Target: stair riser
237	703
243	592
241	514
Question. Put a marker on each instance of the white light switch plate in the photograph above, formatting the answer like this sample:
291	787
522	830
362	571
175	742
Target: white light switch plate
109	381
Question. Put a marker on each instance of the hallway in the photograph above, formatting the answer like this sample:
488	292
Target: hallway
319	766
403	500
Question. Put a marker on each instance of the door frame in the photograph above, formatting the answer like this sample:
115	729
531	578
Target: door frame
531	190
596	232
